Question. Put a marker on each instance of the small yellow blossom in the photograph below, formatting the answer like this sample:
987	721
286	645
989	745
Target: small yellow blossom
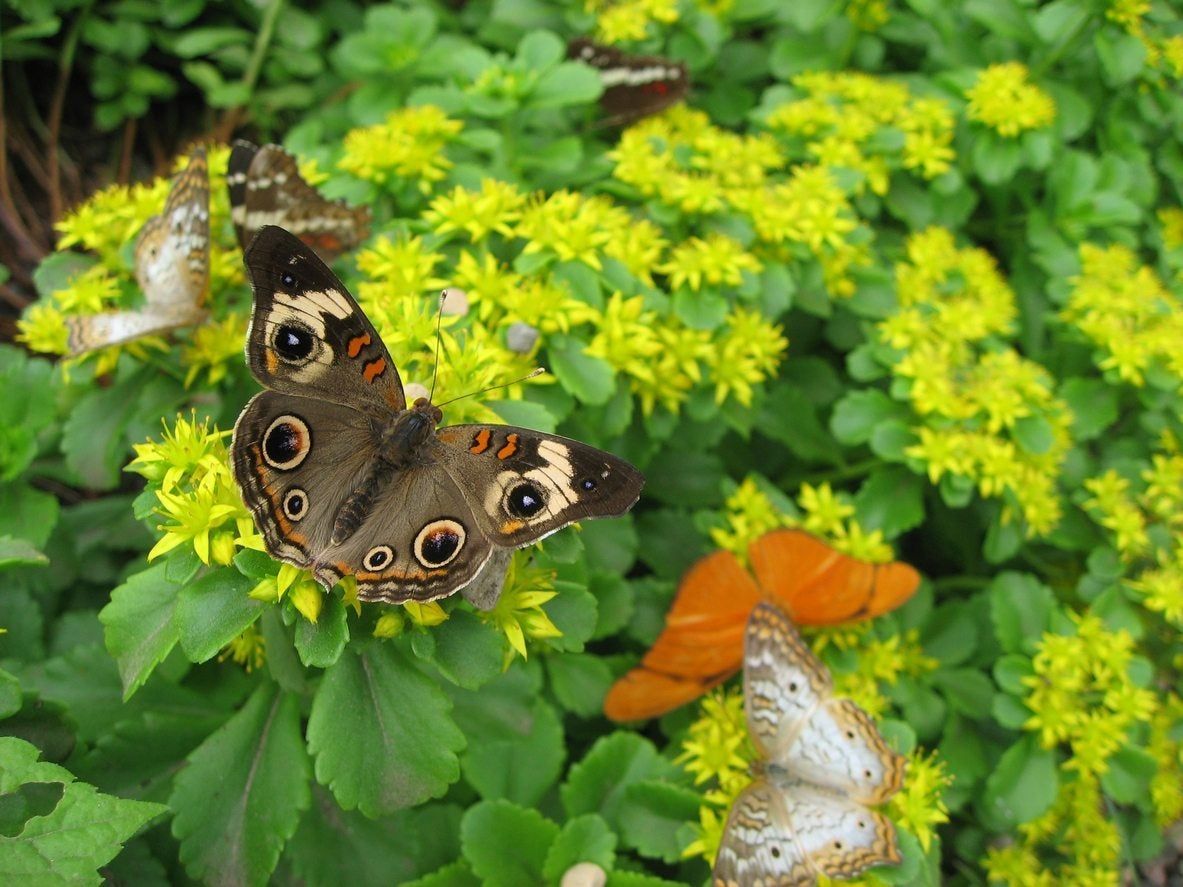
747	353
518	613
477	214
1170	218
389	625
717	260
425	615
622	20
213	347
749	514
43	328
249	649
408	145
1004	100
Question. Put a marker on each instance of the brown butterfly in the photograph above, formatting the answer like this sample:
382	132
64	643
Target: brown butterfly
822	764
266	188
171	266
635	86
344	478
702	642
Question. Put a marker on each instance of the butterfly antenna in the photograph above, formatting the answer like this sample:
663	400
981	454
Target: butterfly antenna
439	316
538	371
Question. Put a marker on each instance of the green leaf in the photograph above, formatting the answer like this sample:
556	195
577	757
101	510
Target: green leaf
583	839
10	694
1020	608
138	626
1128	778
1122	56
381	733
891	500
597	784
1023	784
1093	404
198	42
27	514
458	874
573	612
93	436
214	610
522	761
239	799
653	813
996	159
82	832
591	379
856	415
1034	434
566	84
19	553
468	651
320	643
579	681
506	845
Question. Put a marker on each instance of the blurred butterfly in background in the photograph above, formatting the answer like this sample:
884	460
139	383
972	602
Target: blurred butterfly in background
701	644
266	188
821	765
171	267
635	86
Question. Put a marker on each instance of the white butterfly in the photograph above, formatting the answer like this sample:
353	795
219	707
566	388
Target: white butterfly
172	268
822	765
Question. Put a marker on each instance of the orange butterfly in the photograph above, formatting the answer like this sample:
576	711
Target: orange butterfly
702	642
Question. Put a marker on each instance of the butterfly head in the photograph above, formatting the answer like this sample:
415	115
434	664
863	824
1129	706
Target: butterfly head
429	410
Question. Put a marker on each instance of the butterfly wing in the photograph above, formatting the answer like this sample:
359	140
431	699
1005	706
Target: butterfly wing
308	337
759	845
296	461
525	485
266	188
700	646
795	723
172	268
821	586
635	86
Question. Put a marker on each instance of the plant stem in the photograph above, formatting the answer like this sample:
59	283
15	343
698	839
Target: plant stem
251	75
56	107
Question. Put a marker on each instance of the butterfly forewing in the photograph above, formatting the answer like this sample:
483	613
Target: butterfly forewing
308	337
266	188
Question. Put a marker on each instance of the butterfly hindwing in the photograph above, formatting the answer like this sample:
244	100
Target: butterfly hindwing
635	86
171	266
308	337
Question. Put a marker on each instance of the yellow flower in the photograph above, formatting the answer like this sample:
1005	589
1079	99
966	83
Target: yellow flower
625	20
425	615
249	649
567	224
518	614
190	450
389	625
747	352
409	144
214	344
749	514
43	328
495	208
1004	100
192	515
1114	509
718	260
919	806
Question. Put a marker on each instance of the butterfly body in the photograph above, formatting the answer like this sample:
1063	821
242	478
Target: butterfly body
343	478
821	764
171	267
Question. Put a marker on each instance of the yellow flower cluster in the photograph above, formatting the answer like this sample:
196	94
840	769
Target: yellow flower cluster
1130	515
408	145
1166	747
879	662
621	20
1003	99
748	514
299	586
1164	49
970	393
1170	218
868	15
1124	309
189	470
1081	694
843	117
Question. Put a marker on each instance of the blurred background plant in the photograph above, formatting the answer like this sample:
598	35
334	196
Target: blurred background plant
905	274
